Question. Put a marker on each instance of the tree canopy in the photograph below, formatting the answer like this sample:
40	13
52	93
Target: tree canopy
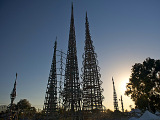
24	104
25	109
144	84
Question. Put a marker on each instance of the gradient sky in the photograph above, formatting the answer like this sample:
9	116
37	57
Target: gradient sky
124	32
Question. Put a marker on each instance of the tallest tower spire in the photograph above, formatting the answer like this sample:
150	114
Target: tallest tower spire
71	82
72	19
72	11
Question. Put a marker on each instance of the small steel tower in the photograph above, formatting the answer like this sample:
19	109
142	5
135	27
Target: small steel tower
92	90
13	96
115	102
50	104
13	93
71	83
122	104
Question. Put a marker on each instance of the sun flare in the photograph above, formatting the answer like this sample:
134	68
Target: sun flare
123	84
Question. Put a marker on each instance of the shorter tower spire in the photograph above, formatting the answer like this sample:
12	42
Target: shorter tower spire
122	104
92	90
13	96
50	104
115	102
13	93
86	17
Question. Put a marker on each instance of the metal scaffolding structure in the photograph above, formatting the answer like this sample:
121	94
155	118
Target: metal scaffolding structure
65	99
50	104
12	112
92	90
60	78
115	102
13	93
72	92
122	104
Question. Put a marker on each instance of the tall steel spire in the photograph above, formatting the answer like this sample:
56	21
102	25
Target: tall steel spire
115	102
92	91
71	82
50	104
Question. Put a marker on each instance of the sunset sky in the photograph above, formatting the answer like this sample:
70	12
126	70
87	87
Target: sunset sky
124	32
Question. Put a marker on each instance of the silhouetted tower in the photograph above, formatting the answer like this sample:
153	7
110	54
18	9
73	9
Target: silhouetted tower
13	93
50	104
92	91
13	96
115	102
71	82
122	104
60	78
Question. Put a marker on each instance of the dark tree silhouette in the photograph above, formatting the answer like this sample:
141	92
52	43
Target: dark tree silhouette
144	84
25	109
24	104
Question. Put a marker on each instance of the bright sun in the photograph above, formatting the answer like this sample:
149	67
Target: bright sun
123	84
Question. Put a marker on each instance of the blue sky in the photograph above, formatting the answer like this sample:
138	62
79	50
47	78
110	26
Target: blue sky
124	32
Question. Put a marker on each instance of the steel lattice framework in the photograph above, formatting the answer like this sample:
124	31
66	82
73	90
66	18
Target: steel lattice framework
122	104
115	102
71	82
11	107
92	91
50	104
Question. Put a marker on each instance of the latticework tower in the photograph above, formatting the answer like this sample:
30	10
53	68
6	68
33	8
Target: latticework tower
50	104
71	83
115	102
92	91
13	93
122	104
12	107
